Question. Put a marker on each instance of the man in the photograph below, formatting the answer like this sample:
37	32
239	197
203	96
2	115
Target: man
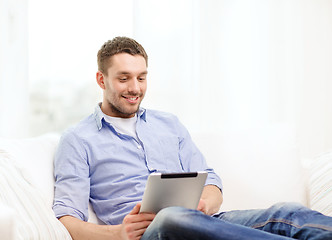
108	156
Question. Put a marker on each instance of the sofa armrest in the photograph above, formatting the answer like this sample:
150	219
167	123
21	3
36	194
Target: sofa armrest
7	223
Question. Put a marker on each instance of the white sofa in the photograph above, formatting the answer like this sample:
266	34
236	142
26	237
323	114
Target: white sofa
256	172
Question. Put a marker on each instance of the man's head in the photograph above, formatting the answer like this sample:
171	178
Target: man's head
115	46
122	65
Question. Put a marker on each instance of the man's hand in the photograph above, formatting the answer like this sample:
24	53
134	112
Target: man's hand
132	227
211	200
135	223
202	206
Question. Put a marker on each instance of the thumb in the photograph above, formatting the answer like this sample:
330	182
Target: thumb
201	206
136	209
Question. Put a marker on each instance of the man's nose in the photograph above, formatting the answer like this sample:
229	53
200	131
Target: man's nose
134	86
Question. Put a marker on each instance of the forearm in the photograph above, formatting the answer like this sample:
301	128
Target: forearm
80	230
212	196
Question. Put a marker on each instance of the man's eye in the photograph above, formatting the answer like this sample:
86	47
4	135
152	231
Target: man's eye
123	79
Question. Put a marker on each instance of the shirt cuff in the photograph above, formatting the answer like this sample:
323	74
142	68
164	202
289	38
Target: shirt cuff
60	211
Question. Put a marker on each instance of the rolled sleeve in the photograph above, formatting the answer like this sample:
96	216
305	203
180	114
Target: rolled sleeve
213	179
72	182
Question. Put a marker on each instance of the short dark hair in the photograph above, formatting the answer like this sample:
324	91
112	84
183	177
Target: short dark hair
115	46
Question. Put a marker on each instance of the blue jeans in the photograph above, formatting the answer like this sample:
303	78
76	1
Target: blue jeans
281	221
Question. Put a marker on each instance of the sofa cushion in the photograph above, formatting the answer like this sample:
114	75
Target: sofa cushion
320	184
34	219
7	223
34	158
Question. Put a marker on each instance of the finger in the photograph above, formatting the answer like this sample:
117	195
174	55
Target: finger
139	218
136	218
143	225
141	228
136	229
136	209
139	233
201	204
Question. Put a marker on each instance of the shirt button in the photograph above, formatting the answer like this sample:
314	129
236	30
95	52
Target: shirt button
139	146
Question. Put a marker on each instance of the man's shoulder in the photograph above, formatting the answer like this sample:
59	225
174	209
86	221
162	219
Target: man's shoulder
83	128
161	115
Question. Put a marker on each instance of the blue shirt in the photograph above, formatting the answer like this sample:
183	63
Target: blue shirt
95	162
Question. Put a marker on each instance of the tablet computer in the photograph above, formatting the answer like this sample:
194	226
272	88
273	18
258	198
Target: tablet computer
173	189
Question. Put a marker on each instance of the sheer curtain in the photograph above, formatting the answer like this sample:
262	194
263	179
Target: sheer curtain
242	66
14	98
219	65
64	37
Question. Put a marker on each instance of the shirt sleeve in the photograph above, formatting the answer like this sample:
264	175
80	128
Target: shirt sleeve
193	160
72	182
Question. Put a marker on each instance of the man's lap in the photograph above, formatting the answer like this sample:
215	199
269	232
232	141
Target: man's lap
281	219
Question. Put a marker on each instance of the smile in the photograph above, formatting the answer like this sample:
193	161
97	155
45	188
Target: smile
132	100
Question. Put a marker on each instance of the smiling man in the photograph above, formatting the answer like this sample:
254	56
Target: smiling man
107	157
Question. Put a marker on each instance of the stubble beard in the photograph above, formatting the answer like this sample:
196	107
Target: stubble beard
121	111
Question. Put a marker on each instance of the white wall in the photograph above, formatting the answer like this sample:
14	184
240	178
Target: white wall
252	82
220	65
242	65
64	37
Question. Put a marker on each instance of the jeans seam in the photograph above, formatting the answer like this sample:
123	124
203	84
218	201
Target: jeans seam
259	225
323	227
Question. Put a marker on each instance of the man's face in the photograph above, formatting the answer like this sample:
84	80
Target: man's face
124	86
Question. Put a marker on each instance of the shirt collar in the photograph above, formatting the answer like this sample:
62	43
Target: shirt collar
99	115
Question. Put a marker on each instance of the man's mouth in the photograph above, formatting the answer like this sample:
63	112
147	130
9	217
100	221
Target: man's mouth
132	100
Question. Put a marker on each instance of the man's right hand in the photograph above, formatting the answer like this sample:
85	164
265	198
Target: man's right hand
132	227
135	223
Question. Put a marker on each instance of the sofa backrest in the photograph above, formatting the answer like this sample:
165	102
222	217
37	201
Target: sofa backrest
261	166
258	166
34	157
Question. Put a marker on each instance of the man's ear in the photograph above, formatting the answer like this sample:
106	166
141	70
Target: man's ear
100	79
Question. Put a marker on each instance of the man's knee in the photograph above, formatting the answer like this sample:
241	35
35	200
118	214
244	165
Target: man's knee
288	207
289	210
170	217
167	222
